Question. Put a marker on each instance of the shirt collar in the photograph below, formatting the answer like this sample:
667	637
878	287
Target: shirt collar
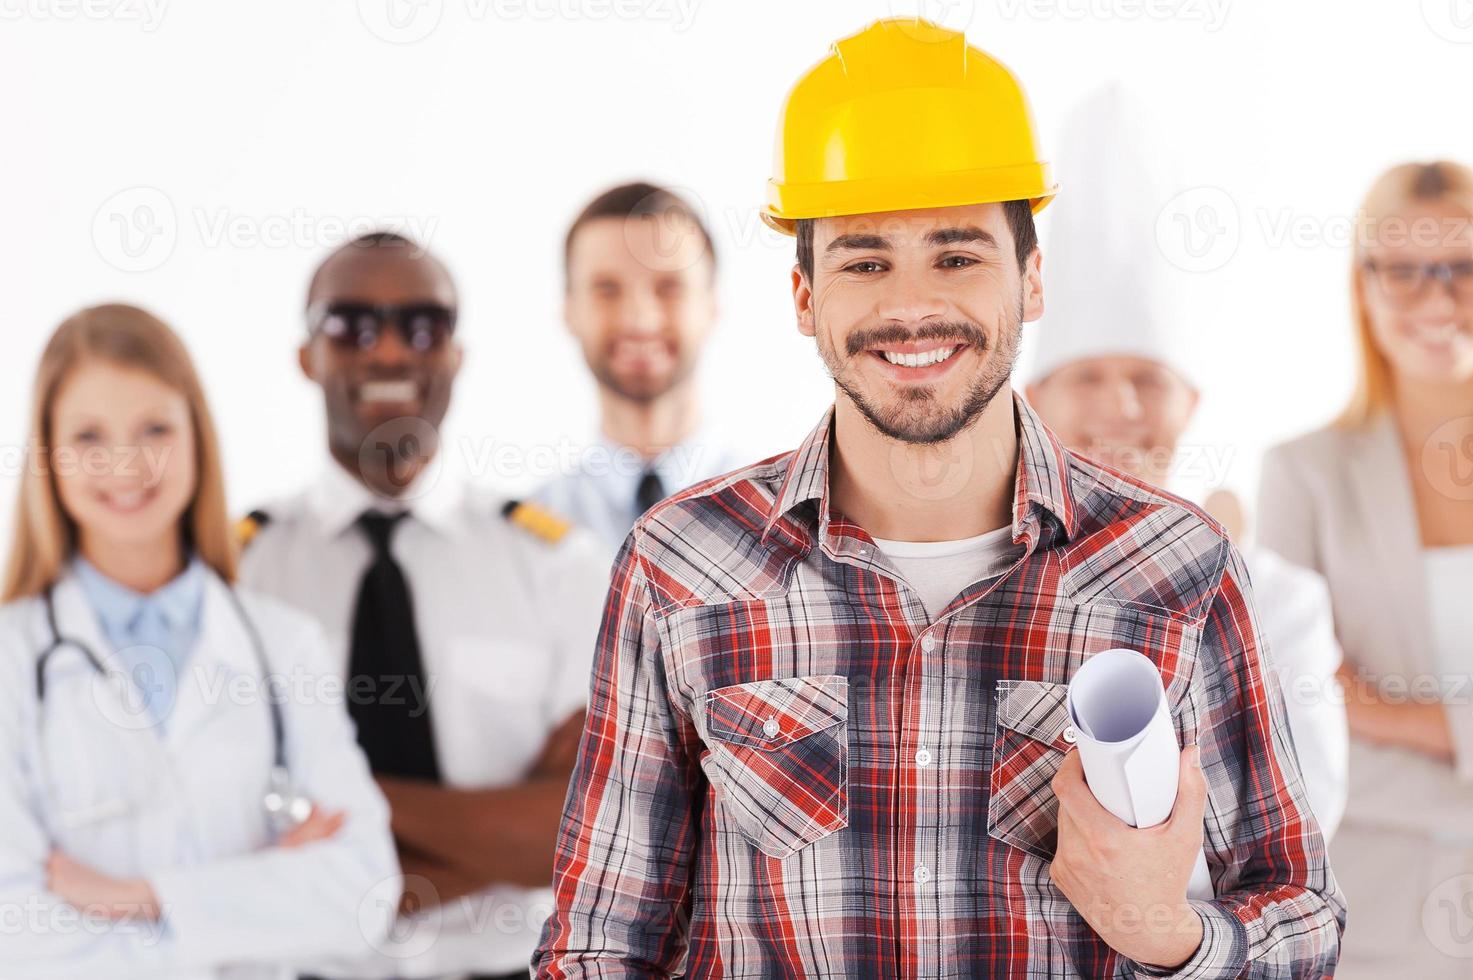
338	498
618	468
118	607
1041	485
697	457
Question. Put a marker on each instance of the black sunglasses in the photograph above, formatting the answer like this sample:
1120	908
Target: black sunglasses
347	323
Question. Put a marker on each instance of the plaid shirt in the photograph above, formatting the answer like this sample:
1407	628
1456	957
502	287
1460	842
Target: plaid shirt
789	771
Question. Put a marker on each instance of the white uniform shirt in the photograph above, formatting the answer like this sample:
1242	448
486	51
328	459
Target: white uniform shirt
507	623
87	770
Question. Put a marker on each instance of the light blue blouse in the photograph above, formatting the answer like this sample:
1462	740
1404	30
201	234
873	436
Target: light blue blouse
151	635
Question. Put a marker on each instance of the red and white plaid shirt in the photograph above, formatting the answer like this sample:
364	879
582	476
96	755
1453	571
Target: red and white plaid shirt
789	771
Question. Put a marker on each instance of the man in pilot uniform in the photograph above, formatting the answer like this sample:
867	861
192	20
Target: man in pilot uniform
465	625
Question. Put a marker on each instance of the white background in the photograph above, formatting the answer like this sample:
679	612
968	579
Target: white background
247	135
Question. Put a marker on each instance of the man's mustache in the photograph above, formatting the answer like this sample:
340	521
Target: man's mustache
961	330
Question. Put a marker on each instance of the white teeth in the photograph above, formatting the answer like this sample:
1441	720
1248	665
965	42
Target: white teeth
1436	332
388	391
920	360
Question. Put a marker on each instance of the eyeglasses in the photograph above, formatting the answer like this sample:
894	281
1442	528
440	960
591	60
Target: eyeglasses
1405	283
423	326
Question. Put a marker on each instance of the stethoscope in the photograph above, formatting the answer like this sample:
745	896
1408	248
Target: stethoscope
285	807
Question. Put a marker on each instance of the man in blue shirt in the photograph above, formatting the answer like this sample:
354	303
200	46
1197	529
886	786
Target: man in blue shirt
641	301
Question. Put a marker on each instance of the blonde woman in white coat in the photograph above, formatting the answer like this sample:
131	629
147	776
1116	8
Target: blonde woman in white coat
1381	504
137	730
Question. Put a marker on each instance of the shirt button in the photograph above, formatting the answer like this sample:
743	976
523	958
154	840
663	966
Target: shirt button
923	757
928	643
1070	735
923	873
770	728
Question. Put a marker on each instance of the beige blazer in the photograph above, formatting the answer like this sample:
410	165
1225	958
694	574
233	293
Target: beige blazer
1339	501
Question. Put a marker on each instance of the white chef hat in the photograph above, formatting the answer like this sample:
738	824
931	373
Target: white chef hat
1108	288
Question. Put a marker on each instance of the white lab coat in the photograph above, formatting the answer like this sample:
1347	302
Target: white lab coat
182	806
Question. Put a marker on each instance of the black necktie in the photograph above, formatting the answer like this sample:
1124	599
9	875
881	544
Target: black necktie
650	491
387	696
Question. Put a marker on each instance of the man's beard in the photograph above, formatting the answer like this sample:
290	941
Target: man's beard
645	390
938	425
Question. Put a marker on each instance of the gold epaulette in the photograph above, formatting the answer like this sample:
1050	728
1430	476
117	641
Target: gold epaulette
536	520
249	526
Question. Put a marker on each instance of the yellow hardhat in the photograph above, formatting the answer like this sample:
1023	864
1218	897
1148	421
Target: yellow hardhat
905	114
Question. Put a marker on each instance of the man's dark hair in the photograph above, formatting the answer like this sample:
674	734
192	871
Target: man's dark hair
1019	215
636	200
381	238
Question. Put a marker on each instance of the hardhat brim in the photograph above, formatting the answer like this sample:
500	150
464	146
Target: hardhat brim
788	203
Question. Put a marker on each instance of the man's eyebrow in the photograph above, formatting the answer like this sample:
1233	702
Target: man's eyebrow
969	234
877	243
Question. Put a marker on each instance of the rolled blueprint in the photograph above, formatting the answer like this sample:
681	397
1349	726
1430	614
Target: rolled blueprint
1127	744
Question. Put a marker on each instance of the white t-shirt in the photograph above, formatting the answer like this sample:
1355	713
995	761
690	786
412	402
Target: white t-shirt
939	570
1449	573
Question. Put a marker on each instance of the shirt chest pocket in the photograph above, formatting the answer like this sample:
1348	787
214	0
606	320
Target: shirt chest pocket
779	757
1032	736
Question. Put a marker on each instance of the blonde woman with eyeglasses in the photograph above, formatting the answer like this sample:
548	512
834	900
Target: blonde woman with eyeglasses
1381	504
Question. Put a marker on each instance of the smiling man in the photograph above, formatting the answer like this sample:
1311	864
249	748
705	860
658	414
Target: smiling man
463	624
827	732
640	300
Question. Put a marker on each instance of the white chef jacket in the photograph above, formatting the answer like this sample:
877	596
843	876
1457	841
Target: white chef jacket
88	771
507	622
1294	610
